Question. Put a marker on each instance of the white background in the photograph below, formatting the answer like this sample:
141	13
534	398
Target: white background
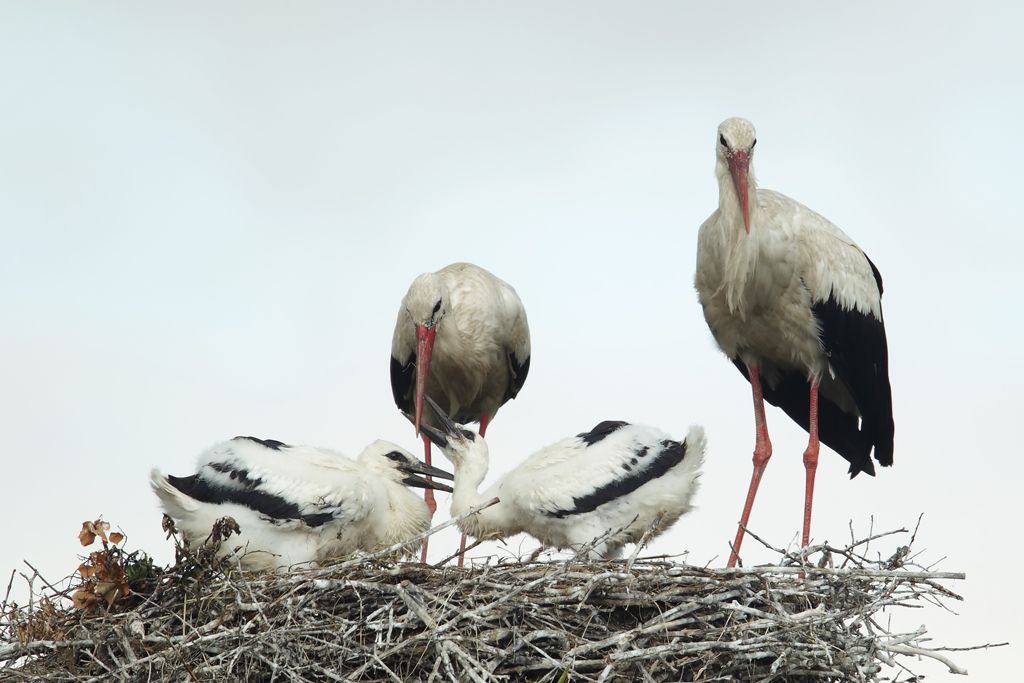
208	217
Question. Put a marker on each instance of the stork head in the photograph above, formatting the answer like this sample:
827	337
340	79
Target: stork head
396	464
425	306
736	140
459	444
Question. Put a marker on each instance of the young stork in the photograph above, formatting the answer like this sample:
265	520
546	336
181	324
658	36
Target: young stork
609	484
797	307
461	337
298	504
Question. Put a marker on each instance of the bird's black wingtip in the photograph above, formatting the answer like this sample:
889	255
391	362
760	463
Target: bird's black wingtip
884	455
866	467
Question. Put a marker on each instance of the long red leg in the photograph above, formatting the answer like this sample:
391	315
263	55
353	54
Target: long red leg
811	461
762	453
462	542
462	551
428	497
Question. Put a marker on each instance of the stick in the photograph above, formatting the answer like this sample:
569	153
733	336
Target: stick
457	553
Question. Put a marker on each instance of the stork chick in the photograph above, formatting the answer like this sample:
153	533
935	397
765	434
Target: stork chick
594	492
300	504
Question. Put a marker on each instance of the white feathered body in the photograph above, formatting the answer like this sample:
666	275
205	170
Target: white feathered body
571	493
293	504
758	289
482	343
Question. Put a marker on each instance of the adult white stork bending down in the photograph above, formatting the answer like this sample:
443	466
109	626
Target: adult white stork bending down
597	490
792	300
462	338
298	504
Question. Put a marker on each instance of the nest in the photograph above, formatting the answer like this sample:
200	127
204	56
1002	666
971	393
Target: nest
639	619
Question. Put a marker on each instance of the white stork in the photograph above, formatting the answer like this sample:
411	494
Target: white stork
797	306
595	491
299	504
461	337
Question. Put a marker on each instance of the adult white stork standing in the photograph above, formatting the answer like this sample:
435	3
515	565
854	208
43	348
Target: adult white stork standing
793	301
298	504
461	337
595	491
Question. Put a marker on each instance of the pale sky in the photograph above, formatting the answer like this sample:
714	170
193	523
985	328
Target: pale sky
208	218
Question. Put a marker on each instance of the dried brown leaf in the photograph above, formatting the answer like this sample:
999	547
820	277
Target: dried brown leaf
168	525
101	528
88	533
84	599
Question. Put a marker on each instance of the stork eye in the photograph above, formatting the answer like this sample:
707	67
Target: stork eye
396	456
437	307
721	139
753	143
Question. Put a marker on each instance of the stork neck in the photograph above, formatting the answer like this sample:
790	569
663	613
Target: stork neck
466	495
466	490
729	205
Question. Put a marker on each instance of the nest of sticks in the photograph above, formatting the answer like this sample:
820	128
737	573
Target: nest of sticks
368	619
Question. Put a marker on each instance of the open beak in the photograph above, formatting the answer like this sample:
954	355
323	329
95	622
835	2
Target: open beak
413	478
424	349
739	167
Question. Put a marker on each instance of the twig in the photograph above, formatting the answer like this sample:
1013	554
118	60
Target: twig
835	571
46	583
7	595
921	652
451	557
645	539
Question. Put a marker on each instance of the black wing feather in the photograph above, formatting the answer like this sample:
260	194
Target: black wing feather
402	379
273	444
645	467
858	353
250	496
244	490
875	272
600	431
517	373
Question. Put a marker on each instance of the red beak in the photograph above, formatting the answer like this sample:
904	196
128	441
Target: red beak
739	165
424	349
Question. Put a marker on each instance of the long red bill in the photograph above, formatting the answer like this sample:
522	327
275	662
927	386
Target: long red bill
424	349
739	166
